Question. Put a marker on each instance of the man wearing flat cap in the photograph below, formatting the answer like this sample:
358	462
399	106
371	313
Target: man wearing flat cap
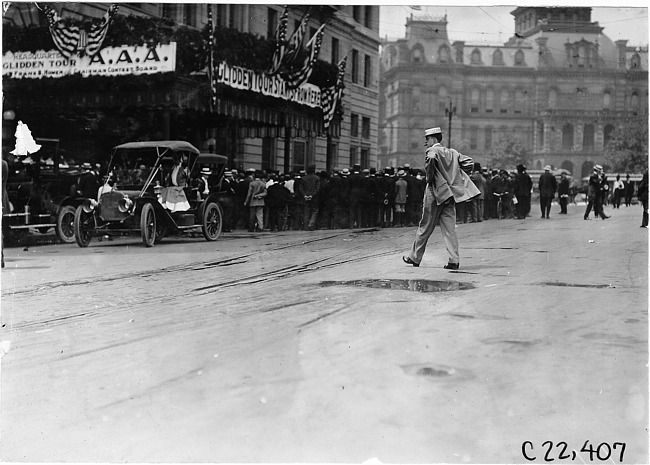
448	183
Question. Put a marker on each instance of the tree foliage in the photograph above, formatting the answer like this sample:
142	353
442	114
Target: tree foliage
508	152
627	150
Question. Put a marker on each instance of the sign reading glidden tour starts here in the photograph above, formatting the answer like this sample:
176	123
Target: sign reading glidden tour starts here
272	86
109	61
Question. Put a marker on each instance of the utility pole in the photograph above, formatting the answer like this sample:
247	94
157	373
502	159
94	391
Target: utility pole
450	111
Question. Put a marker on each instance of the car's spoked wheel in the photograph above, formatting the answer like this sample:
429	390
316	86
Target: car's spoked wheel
212	222
161	231
84	224
65	224
148	225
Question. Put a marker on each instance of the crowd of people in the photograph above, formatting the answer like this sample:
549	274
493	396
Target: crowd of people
391	197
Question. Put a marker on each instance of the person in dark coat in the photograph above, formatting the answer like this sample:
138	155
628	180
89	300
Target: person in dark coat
594	196
356	198
547	189
629	190
228	199
642	193
309	189
277	199
522	187
383	194
563	193
241	191
342	196
326	204
478	203
87	184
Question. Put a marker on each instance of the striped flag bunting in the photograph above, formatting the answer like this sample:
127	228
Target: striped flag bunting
71	39
211	76
331	96
296	78
280	42
294	46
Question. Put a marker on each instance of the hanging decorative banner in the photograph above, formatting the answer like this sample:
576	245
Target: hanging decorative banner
273	86
109	61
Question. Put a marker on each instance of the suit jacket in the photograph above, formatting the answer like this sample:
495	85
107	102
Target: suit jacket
256	189
547	185
447	174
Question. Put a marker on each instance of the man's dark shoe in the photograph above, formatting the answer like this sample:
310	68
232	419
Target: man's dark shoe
605	217
408	261
452	266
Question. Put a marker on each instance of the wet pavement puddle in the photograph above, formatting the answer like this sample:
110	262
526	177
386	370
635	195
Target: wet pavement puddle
513	343
435	371
593	286
419	285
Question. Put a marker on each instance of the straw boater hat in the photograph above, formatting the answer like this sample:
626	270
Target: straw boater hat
598	168
345	171
432	131
206	171
547	168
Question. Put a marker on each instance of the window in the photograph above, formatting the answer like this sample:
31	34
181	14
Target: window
552	98
222	11
299	151
519	102
567	137
476	57
581	56
488	138
365	128
268	152
367	71
474	101
504	101
355	66
168	10
271	23
607	100
354	125
367	19
335	51
234	19
634	103
189	15
473	138
519	58
416	55
442	99
588	137
354	155
356	13
497	57
443	54
489	100
607	134
365	157
636	61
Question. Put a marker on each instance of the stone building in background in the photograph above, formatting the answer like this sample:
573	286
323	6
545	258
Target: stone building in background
559	85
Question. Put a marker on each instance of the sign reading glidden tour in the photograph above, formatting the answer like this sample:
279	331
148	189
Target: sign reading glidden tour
272	86
109	61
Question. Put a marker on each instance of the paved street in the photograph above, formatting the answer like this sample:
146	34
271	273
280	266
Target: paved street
325	347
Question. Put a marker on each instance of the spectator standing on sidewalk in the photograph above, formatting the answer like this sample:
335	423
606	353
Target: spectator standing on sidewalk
629	190
522	187
448	182
401	196
563	193
642	193
310	187
479	202
619	191
547	188
255	202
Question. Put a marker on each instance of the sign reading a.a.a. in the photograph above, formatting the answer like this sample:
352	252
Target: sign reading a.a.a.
109	61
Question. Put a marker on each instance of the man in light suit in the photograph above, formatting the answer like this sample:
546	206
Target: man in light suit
255	202
448	183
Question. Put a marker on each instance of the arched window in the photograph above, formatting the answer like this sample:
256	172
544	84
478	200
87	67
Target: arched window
476	57
538	165
587	168
489	101
567	137
497	57
519	58
504	101
417	55
567	165
474	101
519	102
392	57
607	134
444	54
635	62
552	98
634	103
582	54
607	100
588	137
442	99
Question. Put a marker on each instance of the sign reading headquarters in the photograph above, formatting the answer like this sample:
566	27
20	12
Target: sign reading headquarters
272	86
109	61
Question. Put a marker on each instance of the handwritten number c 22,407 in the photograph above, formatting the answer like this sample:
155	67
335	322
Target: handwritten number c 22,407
603	452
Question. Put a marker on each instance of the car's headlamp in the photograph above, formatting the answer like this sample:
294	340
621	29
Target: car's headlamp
125	204
89	205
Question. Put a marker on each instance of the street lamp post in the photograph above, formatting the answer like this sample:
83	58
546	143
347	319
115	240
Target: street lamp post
450	111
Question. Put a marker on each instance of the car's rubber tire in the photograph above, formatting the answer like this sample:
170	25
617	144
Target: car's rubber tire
84	223
65	224
148	225
211	221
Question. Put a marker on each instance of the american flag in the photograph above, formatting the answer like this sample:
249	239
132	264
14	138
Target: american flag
211	75
298	77
294	46
331	96
280	42
71	39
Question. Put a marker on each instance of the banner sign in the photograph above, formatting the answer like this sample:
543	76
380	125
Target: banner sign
109	61
272	86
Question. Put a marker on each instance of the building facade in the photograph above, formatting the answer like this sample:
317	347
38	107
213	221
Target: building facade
266	134
559	86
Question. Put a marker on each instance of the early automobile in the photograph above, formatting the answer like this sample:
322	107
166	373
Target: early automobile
42	195
132	201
